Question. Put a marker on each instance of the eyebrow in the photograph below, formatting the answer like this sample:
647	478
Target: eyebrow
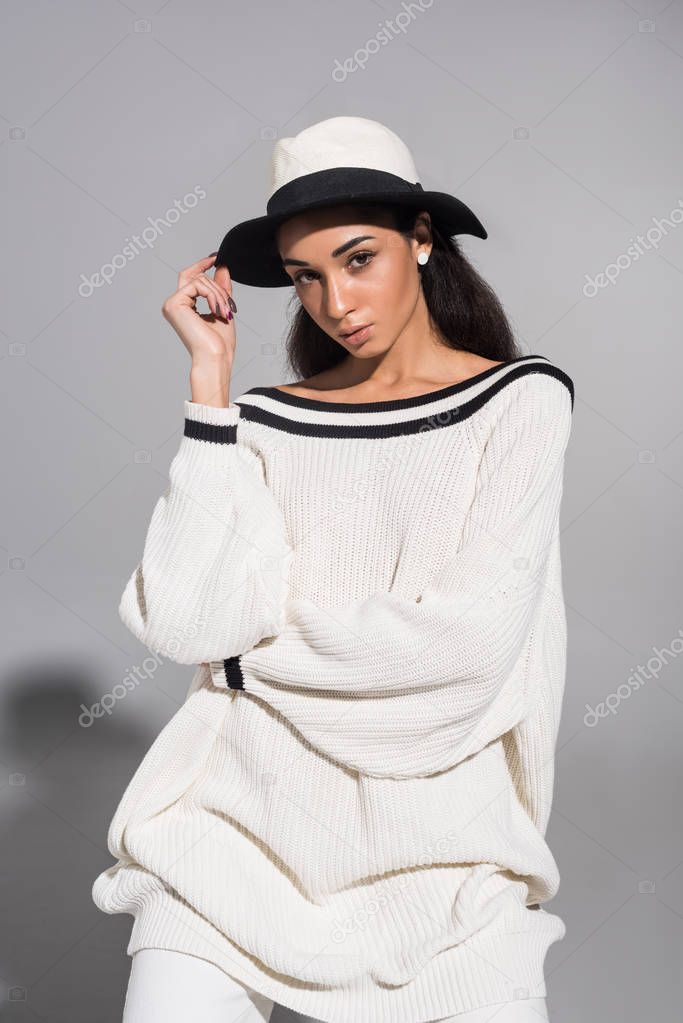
337	252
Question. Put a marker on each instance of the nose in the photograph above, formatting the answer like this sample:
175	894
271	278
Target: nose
336	299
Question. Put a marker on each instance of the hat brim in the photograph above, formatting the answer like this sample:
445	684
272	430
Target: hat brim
251	256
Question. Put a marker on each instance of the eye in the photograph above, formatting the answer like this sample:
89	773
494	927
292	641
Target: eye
360	255
299	279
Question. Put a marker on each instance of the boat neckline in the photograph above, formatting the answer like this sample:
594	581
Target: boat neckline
299	401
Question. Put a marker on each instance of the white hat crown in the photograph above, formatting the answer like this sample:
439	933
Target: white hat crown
340	142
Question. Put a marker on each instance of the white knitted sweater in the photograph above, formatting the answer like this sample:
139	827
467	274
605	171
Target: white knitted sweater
348	811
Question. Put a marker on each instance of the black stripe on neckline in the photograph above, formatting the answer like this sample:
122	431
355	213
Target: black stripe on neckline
437	420
395	404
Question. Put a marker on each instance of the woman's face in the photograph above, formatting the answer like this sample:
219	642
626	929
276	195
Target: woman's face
349	272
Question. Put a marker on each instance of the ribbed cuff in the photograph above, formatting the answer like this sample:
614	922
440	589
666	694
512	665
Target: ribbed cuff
206	422
211	414
227	674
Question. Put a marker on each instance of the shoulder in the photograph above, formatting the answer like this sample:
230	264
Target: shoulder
533	406
537	385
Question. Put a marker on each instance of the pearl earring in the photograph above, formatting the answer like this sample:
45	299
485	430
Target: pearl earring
422	258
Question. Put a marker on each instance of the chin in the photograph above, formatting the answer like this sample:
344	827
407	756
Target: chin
371	349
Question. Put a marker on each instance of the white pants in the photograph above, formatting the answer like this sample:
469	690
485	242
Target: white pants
172	987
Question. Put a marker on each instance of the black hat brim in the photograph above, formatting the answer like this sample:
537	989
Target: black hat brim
251	256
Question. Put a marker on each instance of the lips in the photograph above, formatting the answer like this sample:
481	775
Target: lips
355	330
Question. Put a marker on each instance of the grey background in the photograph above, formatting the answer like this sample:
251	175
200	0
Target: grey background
559	122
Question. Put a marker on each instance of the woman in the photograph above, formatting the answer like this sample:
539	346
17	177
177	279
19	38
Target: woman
347	814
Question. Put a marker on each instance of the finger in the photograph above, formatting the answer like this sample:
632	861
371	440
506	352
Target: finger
201	285
218	292
196	268
220	289
222	277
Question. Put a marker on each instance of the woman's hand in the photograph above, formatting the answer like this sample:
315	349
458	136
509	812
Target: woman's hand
208	337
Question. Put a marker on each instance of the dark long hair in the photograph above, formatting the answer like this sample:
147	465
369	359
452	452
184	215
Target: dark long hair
463	308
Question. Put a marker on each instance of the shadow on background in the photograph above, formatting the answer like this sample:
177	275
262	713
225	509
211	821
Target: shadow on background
62	959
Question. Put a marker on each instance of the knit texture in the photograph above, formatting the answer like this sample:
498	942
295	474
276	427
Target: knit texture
348	812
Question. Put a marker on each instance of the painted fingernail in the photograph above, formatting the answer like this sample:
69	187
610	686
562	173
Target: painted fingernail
232	303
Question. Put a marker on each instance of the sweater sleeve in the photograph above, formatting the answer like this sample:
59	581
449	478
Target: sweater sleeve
213	576
444	672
